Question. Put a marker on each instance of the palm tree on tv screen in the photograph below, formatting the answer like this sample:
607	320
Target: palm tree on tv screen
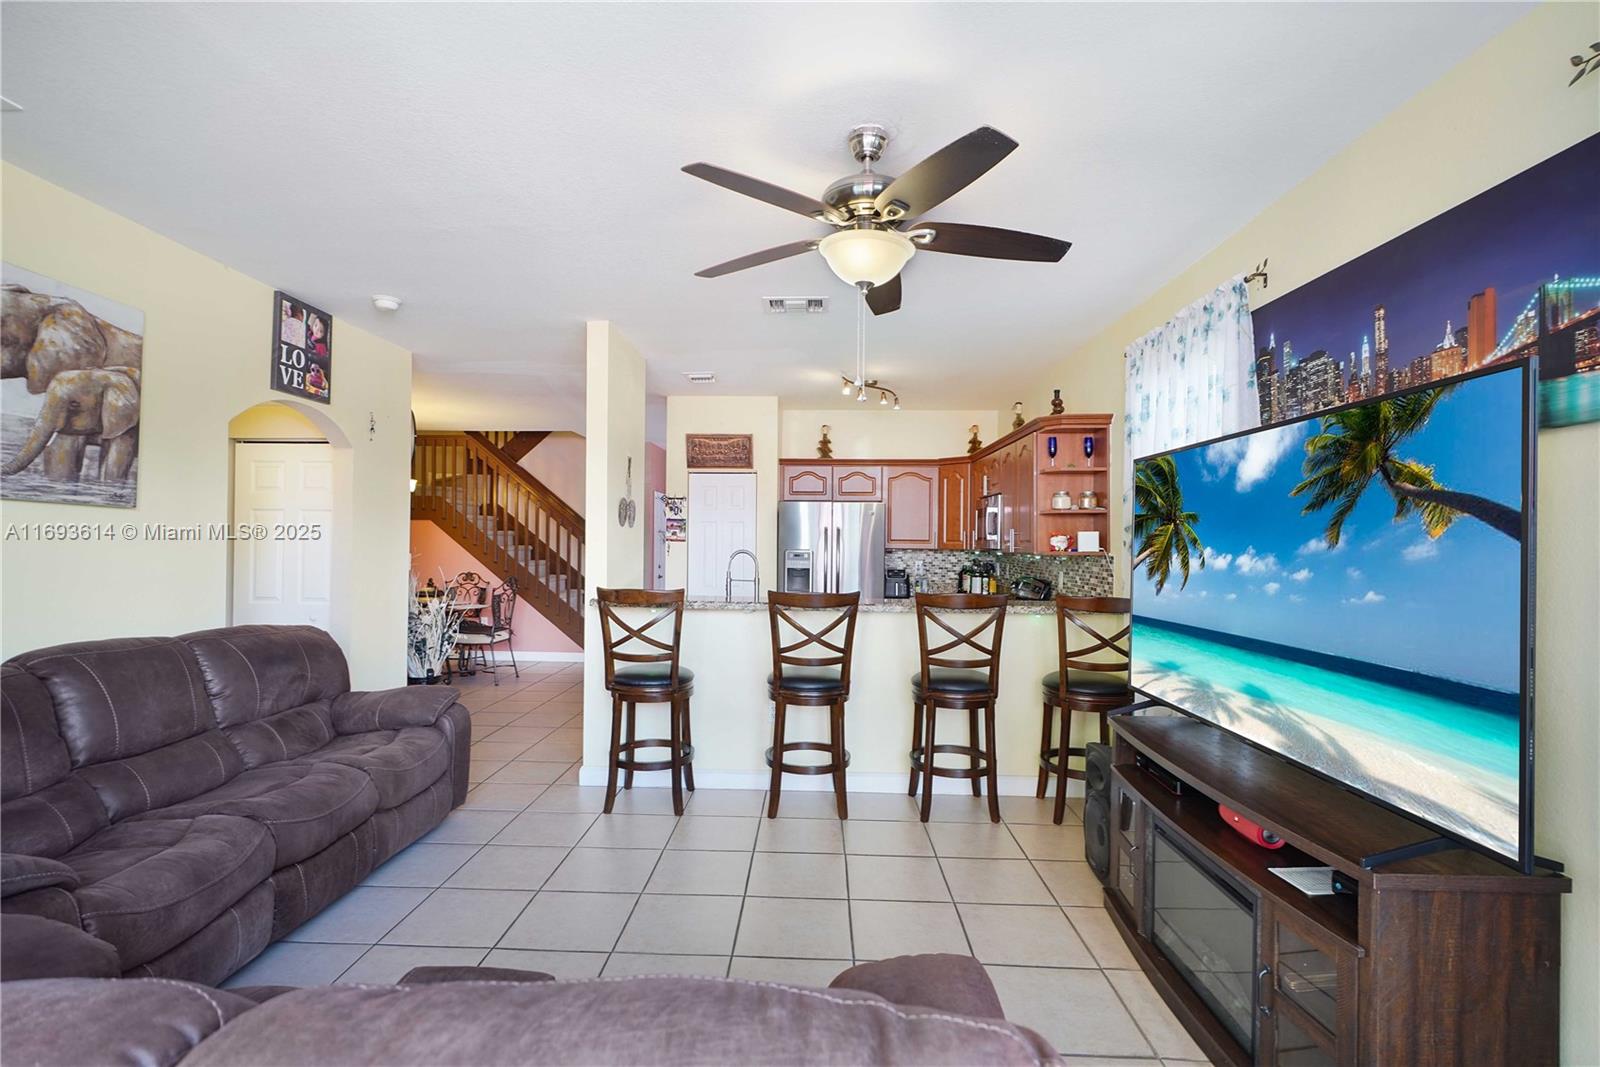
1360	445
1163	531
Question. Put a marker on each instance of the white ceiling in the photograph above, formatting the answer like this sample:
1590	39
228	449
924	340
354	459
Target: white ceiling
512	171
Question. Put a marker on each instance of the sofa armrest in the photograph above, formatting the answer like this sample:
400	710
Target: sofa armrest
391	709
19	873
34	947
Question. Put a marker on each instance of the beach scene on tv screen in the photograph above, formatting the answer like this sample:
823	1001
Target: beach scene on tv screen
1347	591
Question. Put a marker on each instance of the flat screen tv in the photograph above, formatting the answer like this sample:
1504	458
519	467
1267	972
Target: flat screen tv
1352	591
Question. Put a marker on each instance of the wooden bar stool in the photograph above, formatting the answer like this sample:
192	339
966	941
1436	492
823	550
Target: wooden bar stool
659	679
968	678
1093	679
818	680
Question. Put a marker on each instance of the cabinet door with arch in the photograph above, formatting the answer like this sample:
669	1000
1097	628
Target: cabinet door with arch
911	495
802	482
858	483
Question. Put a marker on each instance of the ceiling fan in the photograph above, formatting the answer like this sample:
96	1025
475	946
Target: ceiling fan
875	215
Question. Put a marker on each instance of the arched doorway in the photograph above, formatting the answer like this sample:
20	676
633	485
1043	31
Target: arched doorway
289	510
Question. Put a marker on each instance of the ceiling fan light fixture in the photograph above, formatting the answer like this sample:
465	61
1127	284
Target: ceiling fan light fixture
866	256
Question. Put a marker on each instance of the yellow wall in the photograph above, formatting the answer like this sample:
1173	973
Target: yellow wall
754	415
206	350
1504	109
874	432
271	422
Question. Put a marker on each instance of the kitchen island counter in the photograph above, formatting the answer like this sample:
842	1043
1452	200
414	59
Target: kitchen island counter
728	645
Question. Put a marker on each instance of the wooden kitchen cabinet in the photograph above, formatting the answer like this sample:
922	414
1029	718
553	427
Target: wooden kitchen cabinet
807	482
1023	489
911	494
857	483
955	505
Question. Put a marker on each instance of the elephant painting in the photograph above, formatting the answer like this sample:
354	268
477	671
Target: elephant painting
80	406
71	368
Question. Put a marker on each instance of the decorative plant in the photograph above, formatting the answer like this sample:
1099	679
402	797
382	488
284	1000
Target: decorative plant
430	631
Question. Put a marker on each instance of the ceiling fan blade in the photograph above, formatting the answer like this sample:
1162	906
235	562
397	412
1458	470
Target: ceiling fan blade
755	259
990	242
776	195
885	298
943	174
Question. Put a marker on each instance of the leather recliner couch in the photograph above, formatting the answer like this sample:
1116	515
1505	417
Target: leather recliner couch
189	800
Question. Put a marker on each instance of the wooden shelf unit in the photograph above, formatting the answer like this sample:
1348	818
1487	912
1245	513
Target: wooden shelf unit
1447	958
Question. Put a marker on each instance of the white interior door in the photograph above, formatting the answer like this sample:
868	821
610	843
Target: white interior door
288	489
722	520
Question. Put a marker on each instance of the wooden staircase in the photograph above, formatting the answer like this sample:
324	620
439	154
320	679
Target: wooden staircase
471	486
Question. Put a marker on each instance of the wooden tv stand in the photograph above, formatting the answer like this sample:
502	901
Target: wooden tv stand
1446	958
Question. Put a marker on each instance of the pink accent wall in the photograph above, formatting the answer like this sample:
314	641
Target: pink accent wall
433	551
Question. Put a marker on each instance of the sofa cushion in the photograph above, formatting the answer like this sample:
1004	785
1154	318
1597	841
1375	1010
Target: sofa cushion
390	709
660	1021
68	1022
163	776
32	753
20	872
53	820
939	980
219	948
31	947
283	735
251	672
148	884
306	806
121	698
401	763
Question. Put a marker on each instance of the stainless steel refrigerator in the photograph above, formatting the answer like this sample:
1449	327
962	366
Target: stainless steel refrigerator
831	547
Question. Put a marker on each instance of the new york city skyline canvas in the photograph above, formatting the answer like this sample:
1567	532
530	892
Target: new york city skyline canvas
1512	271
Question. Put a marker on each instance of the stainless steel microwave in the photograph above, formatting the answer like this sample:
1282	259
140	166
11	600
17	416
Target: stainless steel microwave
991	525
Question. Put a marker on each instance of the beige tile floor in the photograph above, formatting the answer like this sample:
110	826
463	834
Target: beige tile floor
528	873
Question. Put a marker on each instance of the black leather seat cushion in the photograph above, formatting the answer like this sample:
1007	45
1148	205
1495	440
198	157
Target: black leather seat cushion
952	680
809	680
1090	683
652	675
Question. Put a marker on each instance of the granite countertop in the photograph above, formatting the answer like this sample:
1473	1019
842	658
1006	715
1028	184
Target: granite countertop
1015	607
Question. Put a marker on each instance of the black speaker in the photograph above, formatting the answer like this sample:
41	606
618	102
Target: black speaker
1097	809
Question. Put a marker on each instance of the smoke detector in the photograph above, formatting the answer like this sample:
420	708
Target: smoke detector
385	303
782	305
700	377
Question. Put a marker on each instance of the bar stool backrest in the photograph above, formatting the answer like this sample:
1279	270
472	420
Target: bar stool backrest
631	645
1101	654
831	651
962	645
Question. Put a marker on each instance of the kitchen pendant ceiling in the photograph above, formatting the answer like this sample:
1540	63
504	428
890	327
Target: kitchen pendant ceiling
875	215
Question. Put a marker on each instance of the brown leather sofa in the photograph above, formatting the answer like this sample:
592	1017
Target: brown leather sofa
189	800
921	1010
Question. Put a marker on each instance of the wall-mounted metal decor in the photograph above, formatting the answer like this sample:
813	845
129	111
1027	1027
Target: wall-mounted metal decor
1586	64
719	451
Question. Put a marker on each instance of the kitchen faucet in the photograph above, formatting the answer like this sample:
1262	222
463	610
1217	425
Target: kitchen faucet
754	579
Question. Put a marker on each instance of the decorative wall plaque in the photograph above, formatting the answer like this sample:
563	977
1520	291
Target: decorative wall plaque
719	451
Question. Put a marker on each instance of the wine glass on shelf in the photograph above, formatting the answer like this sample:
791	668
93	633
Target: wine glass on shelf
1050	447
1088	448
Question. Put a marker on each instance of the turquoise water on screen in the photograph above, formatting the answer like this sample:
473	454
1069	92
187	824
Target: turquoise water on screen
1190	671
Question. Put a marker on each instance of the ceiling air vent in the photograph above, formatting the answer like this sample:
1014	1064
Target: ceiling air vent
700	377
782	305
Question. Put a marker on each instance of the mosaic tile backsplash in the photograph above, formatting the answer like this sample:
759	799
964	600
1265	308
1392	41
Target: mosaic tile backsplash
1072	575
